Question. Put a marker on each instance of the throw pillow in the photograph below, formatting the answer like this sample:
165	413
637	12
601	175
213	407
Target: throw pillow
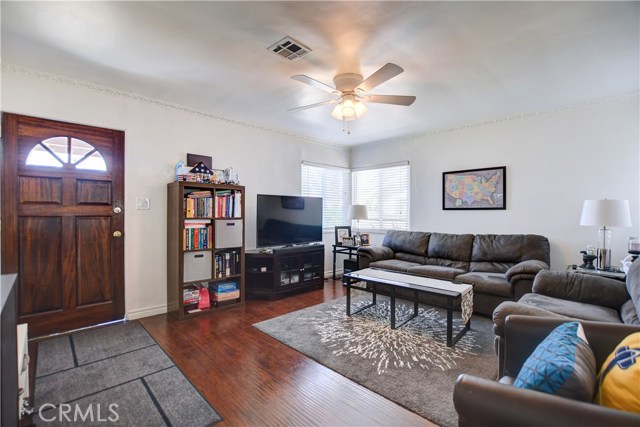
633	284
562	364
619	377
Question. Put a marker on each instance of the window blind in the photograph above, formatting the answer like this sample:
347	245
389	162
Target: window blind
332	184
385	192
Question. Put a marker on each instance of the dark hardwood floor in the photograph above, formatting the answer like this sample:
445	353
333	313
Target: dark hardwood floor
253	380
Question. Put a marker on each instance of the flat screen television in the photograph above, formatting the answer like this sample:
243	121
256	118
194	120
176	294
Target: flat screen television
288	220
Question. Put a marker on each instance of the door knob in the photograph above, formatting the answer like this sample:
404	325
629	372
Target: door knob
117	209
117	234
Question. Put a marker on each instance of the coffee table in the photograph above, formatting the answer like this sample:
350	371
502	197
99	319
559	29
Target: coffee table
458	296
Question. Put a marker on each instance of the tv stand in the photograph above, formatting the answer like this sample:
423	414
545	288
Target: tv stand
284	271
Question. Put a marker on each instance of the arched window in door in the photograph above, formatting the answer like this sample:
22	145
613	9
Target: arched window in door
62	150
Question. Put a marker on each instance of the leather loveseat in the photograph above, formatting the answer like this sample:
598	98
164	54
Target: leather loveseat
482	402
501	267
570	295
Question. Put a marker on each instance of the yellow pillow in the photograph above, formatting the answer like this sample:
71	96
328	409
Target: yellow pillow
619	377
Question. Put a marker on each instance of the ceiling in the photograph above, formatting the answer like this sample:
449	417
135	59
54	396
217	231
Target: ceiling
466	62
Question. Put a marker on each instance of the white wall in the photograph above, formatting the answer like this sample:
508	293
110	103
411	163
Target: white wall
156	137
554	161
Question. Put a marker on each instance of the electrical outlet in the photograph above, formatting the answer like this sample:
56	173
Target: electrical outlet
143	203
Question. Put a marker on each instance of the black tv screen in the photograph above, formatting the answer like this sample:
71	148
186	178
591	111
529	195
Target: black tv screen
288	220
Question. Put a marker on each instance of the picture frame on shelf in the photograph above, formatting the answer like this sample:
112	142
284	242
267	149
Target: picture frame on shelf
347	241
342	231
474	189
364	239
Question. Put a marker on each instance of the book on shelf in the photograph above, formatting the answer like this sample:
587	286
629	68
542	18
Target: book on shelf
228	203
197	234
227	263
198	204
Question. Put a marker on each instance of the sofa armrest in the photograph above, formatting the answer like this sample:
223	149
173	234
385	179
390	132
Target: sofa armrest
583	288
482	402
369	254
525	270
508	308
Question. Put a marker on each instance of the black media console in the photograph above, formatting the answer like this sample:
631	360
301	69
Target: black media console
280	272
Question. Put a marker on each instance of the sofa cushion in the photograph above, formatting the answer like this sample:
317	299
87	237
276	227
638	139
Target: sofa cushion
450	250
393	264
499	252
436	271
488	283
403	256
585	288
577	310
411	242
563	364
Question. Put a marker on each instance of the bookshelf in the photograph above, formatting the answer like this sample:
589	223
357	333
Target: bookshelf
205	248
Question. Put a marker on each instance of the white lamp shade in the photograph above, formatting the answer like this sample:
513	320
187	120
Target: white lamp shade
606	213
358	212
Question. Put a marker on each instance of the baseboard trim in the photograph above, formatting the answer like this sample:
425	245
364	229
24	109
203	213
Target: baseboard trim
146	312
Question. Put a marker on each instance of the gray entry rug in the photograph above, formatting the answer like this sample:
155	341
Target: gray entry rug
114	375
411	365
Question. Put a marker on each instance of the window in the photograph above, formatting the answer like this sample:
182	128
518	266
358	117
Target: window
385	192
63	150
332	184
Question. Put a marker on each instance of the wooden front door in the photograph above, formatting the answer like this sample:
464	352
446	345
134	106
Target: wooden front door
62	222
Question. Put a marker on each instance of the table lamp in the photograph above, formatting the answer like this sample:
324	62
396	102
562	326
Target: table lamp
603	214
358	212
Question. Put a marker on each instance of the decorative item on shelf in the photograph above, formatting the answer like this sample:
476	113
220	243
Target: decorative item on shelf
342	231
356	240
602	214
347	241
634	248
218	176
588	256
231	176
358	212
200	173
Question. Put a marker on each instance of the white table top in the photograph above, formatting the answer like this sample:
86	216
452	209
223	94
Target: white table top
411	281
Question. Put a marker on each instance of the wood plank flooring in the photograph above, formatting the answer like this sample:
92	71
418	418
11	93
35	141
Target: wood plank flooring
253	380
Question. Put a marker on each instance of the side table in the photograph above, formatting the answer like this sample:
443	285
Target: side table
345	250
617	275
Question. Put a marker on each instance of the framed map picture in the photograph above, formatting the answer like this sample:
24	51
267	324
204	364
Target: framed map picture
475	189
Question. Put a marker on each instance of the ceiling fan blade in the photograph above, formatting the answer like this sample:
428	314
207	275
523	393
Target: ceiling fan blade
304	107
388	71
390	99
315	83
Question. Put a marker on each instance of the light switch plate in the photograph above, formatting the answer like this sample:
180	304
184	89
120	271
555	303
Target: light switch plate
143	203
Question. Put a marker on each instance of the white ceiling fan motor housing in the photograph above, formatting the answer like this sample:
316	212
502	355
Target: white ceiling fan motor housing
347	82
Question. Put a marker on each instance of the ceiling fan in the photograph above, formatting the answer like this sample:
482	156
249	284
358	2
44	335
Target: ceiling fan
353	89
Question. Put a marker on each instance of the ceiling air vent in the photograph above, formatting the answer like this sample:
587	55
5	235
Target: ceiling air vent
289	48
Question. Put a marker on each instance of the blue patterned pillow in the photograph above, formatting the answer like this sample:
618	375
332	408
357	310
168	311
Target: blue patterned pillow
562	364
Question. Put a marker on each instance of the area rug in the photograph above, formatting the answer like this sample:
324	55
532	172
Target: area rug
114	375
411	365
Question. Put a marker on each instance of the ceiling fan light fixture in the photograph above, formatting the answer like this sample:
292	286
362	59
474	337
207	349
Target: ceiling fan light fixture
349	109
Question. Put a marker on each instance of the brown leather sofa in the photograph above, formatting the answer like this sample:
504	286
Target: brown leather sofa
482	402
563	294
501	267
